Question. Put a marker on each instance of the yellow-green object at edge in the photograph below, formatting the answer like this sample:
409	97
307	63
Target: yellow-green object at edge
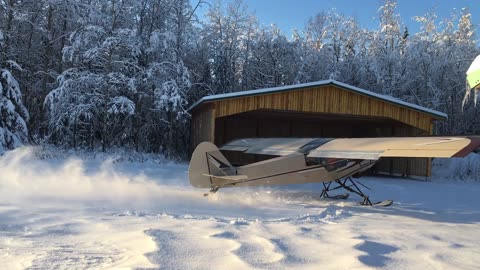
473	74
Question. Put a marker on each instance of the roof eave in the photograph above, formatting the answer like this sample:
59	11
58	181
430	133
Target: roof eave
437	115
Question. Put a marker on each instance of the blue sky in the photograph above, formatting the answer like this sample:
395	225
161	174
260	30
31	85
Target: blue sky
291	14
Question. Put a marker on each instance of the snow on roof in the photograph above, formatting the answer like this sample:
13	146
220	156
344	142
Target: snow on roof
319	83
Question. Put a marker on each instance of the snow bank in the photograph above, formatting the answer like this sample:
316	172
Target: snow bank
457	169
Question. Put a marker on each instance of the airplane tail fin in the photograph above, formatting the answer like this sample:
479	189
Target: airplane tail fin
208	167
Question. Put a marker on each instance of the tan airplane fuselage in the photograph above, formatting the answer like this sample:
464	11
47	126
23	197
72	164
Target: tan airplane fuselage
292	169
289	169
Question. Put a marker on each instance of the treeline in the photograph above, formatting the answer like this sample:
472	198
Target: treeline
108	73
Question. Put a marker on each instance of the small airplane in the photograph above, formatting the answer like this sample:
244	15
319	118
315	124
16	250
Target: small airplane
332	162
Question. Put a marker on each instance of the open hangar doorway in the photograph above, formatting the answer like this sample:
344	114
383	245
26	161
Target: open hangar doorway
276	123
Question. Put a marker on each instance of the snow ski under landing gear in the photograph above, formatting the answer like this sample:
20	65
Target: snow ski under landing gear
351	186
212	191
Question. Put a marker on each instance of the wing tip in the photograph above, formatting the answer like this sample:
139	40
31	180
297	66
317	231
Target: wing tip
473	146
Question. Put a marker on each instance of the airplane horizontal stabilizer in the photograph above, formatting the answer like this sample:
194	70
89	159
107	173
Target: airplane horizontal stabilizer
228	177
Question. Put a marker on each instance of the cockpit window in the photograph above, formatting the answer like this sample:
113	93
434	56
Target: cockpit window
313	145
330	164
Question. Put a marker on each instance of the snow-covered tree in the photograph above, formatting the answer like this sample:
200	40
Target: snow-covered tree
169	81
72	108
13	115
311	52
226	33
106	75
386	49
273	59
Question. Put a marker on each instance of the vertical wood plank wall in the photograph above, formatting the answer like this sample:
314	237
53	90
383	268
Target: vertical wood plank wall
324	99
202	126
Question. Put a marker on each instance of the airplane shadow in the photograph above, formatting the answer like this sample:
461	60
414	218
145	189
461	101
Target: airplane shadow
446	213
455	203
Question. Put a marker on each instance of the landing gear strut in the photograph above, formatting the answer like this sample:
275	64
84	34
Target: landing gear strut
351	186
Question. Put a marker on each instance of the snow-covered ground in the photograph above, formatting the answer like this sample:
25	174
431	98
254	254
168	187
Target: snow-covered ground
67	213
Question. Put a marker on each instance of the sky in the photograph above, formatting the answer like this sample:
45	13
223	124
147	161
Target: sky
293	14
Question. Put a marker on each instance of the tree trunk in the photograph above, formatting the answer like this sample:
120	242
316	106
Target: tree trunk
8	28
62	42
48	50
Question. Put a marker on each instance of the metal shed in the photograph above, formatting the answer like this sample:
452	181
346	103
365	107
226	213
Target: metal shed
327	108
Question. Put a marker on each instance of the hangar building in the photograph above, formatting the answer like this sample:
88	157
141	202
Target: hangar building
328	109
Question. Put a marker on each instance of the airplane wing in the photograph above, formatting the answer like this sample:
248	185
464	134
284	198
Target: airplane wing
375	148
359	148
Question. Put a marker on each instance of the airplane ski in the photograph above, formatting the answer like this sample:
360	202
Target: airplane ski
338	197
383	203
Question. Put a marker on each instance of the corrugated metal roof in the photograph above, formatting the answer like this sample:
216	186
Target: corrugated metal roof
348	87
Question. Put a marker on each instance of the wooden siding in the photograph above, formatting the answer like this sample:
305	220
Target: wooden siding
326	99
202	126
